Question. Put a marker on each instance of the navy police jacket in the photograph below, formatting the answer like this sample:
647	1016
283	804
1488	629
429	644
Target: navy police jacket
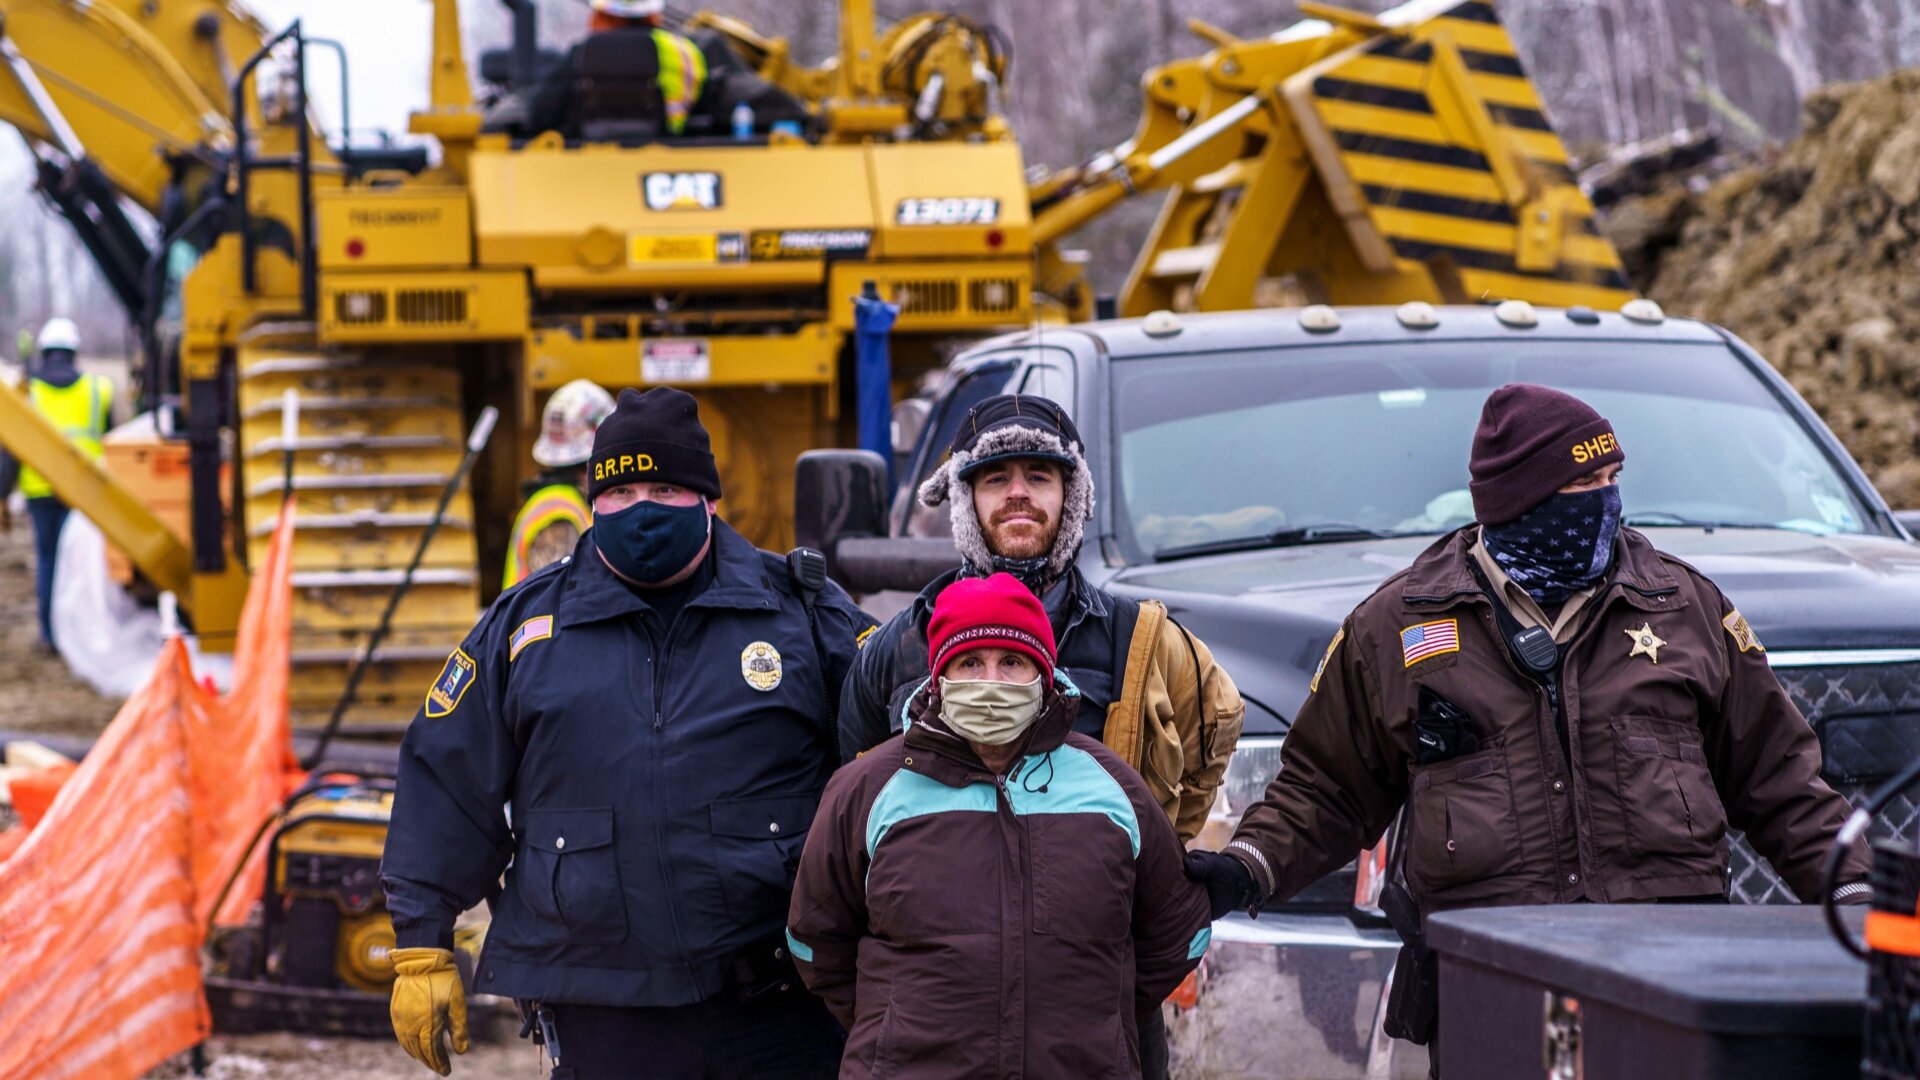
647	797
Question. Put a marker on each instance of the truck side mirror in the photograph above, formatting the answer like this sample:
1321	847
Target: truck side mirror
838	494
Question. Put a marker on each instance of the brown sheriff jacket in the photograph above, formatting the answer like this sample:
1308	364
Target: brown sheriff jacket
1677	731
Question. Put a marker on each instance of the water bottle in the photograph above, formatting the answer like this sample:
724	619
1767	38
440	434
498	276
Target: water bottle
743	121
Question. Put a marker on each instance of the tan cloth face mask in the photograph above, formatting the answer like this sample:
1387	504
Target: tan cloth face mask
988	712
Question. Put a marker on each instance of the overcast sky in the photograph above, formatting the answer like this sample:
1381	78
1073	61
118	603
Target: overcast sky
388	43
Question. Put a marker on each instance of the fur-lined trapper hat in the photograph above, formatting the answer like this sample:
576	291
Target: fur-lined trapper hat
1014	426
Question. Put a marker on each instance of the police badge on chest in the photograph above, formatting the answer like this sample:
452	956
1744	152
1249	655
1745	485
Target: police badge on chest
760	666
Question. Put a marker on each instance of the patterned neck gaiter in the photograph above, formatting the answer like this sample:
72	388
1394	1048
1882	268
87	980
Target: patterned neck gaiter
1560	547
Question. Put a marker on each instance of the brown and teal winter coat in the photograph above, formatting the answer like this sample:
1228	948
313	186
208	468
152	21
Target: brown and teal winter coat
963	924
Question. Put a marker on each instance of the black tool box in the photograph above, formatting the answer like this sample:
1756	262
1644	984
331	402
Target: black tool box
1647	992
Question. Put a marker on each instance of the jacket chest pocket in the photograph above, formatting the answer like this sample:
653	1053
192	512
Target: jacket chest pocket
1666	791
1463	824
756	850
569	876
1083	878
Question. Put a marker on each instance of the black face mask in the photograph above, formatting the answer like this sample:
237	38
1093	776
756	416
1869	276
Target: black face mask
1560	547
650	542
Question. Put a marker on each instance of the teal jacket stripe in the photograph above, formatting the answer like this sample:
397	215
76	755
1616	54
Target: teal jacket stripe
1079	785
1194	951
801	950
910	795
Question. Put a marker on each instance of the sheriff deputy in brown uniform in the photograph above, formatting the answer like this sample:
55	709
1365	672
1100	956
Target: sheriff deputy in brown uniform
1566	713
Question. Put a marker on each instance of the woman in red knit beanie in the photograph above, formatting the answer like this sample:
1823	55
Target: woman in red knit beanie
990	834
990	648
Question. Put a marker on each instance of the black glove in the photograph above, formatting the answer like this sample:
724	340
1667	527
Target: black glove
1228	882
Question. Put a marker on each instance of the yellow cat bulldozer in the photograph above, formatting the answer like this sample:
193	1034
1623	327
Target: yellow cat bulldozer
324	320
399	291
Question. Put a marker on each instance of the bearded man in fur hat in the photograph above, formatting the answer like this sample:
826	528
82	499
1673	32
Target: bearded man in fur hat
1021	495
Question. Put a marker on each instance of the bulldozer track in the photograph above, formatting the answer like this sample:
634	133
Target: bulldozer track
376	442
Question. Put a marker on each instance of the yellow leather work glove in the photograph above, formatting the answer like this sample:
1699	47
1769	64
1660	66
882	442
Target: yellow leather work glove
429	1006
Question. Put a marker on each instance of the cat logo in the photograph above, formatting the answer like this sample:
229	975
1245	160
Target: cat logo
760	666
681	190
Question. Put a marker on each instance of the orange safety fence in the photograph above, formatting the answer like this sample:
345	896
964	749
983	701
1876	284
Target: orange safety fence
104	904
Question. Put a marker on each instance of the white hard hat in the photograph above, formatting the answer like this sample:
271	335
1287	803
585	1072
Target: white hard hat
630	9
59	333
567	425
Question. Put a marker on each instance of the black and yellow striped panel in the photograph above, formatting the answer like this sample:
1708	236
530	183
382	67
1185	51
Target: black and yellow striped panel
1431	194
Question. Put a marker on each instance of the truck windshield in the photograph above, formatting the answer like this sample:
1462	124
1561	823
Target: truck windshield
1319	444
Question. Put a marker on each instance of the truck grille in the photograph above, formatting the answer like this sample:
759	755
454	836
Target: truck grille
1868	720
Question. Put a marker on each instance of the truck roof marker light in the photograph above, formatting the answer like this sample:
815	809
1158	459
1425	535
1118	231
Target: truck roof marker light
1518	314
1161	323
356	247
1583	315
1319	319
1417	315
1643	310
995	238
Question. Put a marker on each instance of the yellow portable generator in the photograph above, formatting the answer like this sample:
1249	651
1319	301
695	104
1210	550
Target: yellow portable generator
314	956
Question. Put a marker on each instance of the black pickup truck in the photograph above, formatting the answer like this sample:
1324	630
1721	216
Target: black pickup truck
1263	472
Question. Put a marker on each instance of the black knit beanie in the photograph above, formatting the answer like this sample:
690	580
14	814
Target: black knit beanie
1533	441
653	438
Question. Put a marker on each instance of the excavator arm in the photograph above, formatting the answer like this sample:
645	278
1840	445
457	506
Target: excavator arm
1368	160
117	101
138	89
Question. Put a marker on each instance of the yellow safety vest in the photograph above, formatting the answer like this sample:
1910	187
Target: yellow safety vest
683	73
555	504
79	411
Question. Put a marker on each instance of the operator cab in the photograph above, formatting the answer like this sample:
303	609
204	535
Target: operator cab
632	81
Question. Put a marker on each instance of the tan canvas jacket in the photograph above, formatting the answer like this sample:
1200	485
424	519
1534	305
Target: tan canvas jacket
1176	719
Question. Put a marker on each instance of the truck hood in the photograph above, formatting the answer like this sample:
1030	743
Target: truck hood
1268	615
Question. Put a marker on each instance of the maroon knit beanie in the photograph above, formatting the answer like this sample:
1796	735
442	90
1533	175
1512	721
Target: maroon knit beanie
993	612
1533	441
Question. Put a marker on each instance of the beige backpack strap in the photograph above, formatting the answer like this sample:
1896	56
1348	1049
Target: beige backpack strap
1126	717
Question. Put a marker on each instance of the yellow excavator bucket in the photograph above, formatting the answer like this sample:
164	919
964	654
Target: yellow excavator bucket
1437	154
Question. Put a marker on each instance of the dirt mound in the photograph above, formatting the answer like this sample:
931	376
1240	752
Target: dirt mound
1814	259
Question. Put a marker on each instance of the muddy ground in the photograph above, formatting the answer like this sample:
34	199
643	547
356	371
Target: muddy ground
37	693
281	1056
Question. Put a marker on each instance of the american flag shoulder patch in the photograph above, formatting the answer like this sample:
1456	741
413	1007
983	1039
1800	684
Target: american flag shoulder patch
1428	640
538	628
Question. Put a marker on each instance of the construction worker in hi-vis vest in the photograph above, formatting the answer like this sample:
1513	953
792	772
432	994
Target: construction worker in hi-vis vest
556	513
77	405
629	78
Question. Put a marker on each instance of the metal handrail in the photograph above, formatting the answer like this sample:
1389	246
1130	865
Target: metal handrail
249	272
346	100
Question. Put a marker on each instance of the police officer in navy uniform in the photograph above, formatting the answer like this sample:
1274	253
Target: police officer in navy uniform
637	736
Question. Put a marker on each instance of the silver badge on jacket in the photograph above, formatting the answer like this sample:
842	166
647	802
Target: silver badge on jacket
760	666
